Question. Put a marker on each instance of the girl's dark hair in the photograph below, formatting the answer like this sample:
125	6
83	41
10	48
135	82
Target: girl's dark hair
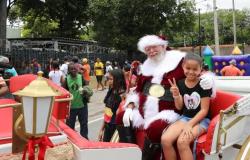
55	64
75	59
126	68
119	82
195	57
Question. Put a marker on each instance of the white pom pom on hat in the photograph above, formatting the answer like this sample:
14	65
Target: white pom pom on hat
150	40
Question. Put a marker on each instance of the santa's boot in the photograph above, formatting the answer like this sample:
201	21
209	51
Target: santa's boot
151	151
126	134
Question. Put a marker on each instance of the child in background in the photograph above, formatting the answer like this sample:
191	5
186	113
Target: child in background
134	72
74	82
194	101
117	89
55	74
127	74
108	68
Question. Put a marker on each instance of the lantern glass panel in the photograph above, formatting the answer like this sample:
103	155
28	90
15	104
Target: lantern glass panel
28	114
43	113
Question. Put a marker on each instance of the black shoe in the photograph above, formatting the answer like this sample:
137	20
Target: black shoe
150	150
126	134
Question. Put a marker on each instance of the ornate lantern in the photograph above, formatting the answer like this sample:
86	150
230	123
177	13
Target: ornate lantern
37	101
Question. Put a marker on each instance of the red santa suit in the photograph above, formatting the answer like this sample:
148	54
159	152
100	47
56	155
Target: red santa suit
154	108
151	113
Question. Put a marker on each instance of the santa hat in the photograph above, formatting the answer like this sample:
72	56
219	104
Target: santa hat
150	40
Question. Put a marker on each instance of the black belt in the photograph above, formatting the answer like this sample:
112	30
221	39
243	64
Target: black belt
167	96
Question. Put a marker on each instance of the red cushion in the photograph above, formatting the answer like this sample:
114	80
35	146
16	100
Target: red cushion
6	119
19	82
60	109
221	102
6	123
83	143
210	134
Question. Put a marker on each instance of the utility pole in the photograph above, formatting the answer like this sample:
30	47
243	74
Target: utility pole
3	17
216	32
234	24
199	14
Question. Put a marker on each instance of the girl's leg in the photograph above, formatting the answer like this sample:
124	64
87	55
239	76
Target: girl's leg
184	141
108	132
169	137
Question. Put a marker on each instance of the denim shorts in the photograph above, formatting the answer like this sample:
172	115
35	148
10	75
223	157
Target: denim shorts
203	123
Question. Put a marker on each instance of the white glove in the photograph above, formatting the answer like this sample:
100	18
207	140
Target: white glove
207	81
127	117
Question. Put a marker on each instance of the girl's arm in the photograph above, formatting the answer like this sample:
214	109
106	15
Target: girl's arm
202	113
178	101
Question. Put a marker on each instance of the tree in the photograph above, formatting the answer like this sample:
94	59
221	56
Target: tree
3	17
64	18
120	23
225	22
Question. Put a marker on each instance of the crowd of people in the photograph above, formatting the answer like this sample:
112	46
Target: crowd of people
74	74
157	104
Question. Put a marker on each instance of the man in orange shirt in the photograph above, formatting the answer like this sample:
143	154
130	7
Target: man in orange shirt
231	70
86	70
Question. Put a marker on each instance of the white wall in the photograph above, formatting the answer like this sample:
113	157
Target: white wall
13	32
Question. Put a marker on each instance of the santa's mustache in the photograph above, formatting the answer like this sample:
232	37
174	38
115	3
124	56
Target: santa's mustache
158	56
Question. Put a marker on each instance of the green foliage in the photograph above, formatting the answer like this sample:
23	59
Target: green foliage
225	26
39	27
113	23
121	23
64	18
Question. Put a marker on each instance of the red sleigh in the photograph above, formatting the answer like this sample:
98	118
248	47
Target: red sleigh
207	144
228	130
58	131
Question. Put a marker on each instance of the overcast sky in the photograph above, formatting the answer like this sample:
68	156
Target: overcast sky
207	5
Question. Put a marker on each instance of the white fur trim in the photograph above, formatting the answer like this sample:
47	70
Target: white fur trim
150	40
158	69
211	76
214	86
132	97
137	119
167	115
151	107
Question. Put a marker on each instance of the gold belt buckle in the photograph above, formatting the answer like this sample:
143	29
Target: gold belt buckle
156	90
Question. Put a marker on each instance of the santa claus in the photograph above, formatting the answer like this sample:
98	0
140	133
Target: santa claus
151	106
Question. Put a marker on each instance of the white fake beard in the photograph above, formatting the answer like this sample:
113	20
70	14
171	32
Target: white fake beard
158	57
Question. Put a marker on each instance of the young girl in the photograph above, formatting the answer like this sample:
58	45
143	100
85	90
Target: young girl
55	74
117	89
194	101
